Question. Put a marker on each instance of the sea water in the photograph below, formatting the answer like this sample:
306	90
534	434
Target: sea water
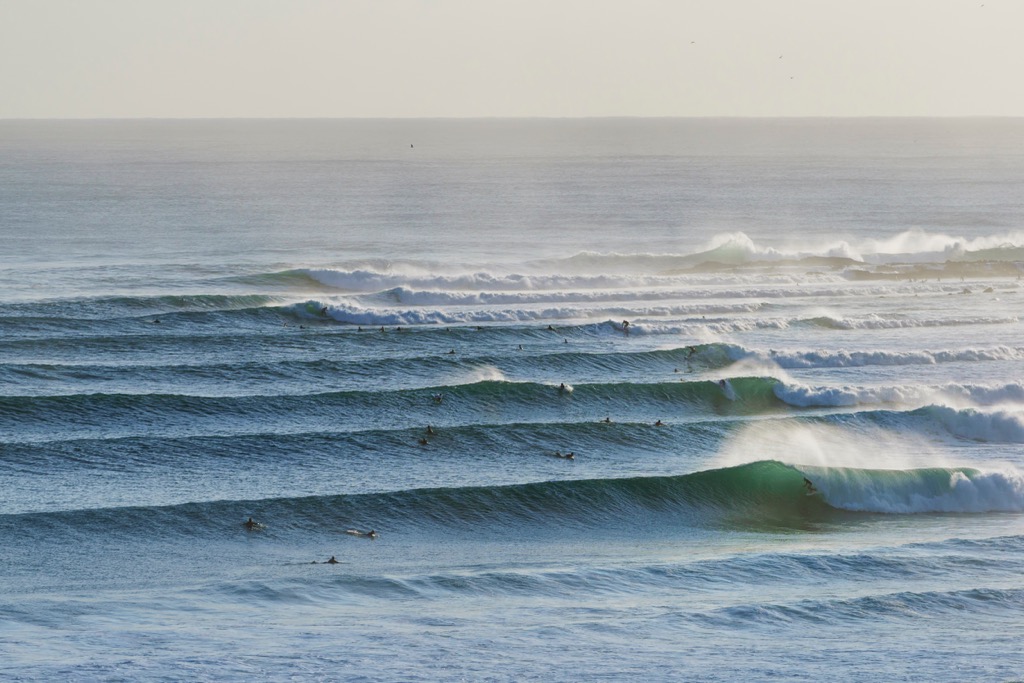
799	460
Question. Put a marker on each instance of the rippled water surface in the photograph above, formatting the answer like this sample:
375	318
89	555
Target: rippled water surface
678	400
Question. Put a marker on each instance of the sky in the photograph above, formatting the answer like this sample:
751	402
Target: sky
509	58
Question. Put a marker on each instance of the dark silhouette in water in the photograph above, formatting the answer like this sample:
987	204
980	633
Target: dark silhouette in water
331	561
365	534
250	524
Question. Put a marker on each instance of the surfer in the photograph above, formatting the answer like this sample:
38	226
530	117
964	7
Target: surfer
430	430
607	420
809	486
551	328
452	352
323	311
331	561
365	534
250	524
659	423
561	388
423	441
438	398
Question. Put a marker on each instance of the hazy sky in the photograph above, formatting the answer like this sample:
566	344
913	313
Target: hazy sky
408	58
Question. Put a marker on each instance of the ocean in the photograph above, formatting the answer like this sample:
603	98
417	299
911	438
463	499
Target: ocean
621	399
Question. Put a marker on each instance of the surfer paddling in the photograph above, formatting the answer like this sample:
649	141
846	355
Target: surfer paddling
365	534
251	525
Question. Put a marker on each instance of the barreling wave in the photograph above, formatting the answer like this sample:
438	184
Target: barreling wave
988	425
803	396
763	494
937	489
910	246
876	322
374	316
375	281
418	297
844	359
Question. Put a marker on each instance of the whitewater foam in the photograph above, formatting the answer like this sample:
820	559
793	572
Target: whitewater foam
921	490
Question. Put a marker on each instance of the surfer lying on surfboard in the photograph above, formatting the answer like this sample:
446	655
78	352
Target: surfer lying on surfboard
366	534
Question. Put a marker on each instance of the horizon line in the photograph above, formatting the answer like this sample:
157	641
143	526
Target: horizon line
511	118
